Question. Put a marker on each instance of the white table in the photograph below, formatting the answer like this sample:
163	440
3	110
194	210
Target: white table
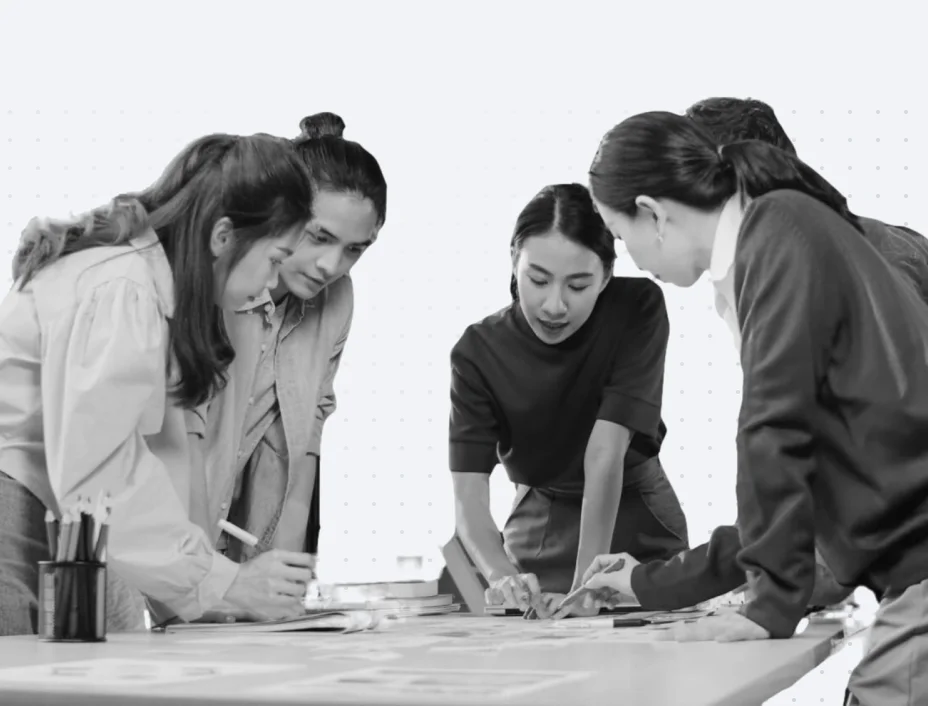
598	667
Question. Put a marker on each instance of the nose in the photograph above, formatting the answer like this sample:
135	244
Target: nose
554	307
327	265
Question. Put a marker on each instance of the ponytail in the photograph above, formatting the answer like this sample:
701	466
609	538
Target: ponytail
759	168
669	156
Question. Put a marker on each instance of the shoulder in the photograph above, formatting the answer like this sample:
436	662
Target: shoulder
483	335
89	273
787	224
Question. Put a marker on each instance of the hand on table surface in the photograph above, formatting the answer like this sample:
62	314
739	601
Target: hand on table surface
726	627
272	585
520	591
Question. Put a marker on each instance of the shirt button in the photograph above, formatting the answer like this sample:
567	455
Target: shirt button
251	400
240	454
263	347
224	506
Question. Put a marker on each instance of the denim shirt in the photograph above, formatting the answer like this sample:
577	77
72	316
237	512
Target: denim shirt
306	361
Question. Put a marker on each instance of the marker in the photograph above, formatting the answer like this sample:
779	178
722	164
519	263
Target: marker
240	534
610	624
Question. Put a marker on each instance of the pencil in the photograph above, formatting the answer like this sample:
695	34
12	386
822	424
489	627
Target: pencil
51	531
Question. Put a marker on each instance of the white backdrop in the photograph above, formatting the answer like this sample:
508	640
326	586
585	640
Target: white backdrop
470	111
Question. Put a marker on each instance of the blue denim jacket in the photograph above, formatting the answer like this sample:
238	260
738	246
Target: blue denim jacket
306	360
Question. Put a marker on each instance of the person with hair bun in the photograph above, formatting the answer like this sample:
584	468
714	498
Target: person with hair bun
112	343
288	348
563	387
831	434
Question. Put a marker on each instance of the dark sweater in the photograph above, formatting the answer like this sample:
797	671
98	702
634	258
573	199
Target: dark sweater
831	434
712	569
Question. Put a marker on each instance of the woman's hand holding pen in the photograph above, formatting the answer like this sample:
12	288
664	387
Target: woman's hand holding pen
612	572
272	585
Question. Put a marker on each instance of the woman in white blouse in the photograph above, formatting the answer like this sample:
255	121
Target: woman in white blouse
112	344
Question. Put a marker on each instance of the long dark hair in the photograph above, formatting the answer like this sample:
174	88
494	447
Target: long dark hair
664	155
568	209
259	183
340	165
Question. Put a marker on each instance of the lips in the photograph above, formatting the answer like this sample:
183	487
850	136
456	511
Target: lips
318	282
553	326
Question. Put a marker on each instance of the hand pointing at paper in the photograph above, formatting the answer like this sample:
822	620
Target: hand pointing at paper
613	572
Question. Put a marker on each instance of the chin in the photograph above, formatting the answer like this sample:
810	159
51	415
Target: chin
297	287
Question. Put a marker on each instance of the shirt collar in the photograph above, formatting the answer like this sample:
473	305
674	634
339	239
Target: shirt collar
726	238
265	304
149	247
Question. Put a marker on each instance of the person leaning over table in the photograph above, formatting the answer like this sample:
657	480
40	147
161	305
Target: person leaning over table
288	350
111	342
563	388
711	569
834	343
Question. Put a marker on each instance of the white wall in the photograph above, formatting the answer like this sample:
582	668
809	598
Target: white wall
470	112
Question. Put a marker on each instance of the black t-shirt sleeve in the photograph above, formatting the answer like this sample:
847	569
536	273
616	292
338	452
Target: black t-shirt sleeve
632	396
473	429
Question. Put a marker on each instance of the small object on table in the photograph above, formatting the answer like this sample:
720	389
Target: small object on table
72	586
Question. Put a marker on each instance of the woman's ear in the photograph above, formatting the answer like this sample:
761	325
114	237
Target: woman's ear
222	238
654	210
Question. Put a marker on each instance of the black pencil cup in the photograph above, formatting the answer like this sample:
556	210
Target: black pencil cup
72	601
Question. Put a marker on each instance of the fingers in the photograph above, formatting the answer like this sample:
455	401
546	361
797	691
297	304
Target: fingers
530	581
599	581
599	564
282	587
299	575
292	558
512	593
494	596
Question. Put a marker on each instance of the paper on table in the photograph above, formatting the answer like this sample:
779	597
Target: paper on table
386	682
93	674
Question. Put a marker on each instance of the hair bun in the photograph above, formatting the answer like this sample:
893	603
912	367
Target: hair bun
320	125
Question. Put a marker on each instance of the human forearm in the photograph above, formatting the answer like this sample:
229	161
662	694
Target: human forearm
484	544
604	474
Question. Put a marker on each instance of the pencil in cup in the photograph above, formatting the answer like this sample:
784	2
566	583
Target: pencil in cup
72	585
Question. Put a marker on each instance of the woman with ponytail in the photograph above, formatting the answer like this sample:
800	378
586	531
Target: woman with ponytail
563	388
288	347
831	438
111	344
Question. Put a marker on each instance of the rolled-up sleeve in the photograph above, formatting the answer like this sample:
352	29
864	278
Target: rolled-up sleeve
103	390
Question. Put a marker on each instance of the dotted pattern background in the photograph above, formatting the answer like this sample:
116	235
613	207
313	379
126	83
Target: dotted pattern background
470	111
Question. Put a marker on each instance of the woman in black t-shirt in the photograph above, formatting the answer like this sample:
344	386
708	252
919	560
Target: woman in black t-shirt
563	388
